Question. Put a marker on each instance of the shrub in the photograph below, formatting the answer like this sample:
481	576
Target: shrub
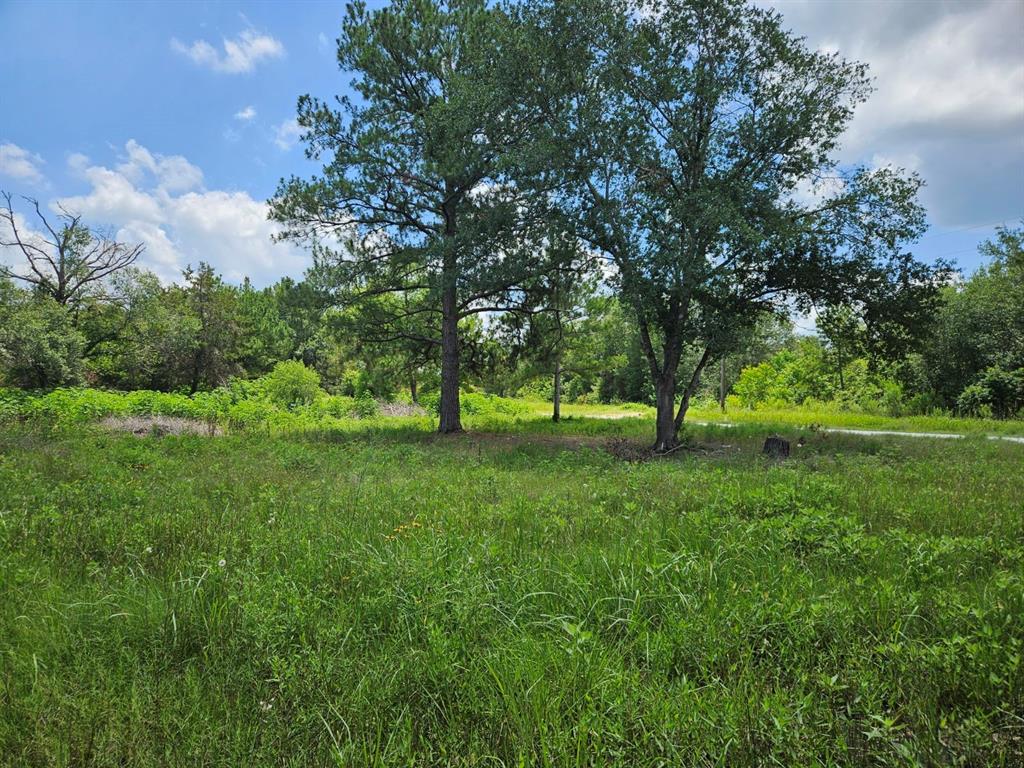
365	407
996	392
39	345
477	404
247	414
538	388
291	384
336	406
13	403
481	404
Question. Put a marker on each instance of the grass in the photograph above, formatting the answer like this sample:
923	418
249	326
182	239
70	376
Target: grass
853	420
797	417
372	594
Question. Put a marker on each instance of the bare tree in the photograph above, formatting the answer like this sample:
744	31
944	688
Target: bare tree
65	266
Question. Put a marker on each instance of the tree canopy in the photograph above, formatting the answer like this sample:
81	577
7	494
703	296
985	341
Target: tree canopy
699	158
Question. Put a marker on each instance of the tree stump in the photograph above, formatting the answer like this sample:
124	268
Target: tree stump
776	447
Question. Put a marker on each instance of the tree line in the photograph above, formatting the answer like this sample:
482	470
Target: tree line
616	195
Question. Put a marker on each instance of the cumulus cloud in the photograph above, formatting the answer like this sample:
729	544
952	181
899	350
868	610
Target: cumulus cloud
286	135
949	96
239	55
20	164
161	201
172	173
247	114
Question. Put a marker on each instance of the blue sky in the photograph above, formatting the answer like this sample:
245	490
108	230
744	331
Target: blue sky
171	122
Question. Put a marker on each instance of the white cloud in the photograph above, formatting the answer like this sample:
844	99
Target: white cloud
172	173
286	135
161	202
240	55
247	114
20	164
28	231
948	100
951	73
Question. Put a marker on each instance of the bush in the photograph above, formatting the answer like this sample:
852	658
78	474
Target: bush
365	407
13	403
336	406
39	345
481	404
477	404
538	388
247	414
291	385
996	392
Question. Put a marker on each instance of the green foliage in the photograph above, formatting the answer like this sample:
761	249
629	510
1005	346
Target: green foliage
365	407
263	335
693	124
382	597
334	406
981	324
39	345
479	404
995	393
290	385
452	104
807	374
787	377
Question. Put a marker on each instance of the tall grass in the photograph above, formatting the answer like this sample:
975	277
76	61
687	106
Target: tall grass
376	595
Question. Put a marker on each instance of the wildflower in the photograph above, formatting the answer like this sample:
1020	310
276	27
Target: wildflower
266	706
270	521
149	550
222	562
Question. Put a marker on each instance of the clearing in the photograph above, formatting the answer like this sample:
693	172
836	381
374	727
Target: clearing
378	595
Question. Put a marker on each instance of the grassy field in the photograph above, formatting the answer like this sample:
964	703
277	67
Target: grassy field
517	596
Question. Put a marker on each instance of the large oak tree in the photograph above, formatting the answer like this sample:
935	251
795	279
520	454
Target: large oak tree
700	160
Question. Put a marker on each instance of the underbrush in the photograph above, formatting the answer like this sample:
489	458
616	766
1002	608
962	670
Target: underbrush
241	406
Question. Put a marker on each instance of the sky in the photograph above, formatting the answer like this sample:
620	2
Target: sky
171	123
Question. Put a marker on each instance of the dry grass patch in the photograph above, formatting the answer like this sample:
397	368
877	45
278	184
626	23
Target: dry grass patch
159	426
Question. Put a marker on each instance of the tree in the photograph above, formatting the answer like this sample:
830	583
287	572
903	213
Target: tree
39	346
68	259
301	305
390	341
418	194
213	305
545	339
264	338
843	333
700	165
980	324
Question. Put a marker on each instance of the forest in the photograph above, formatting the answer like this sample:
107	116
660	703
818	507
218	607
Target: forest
126	331
615	421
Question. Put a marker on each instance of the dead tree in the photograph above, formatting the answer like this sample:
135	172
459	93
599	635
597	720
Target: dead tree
66	259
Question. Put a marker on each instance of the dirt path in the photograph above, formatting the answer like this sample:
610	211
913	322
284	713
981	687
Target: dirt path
894	433
836	430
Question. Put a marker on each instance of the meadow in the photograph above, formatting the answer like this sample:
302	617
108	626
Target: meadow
368	593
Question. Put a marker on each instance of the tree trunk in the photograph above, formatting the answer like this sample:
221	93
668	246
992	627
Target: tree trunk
839	361
667	435
412	388
449	417
691	388
721	384
556	413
